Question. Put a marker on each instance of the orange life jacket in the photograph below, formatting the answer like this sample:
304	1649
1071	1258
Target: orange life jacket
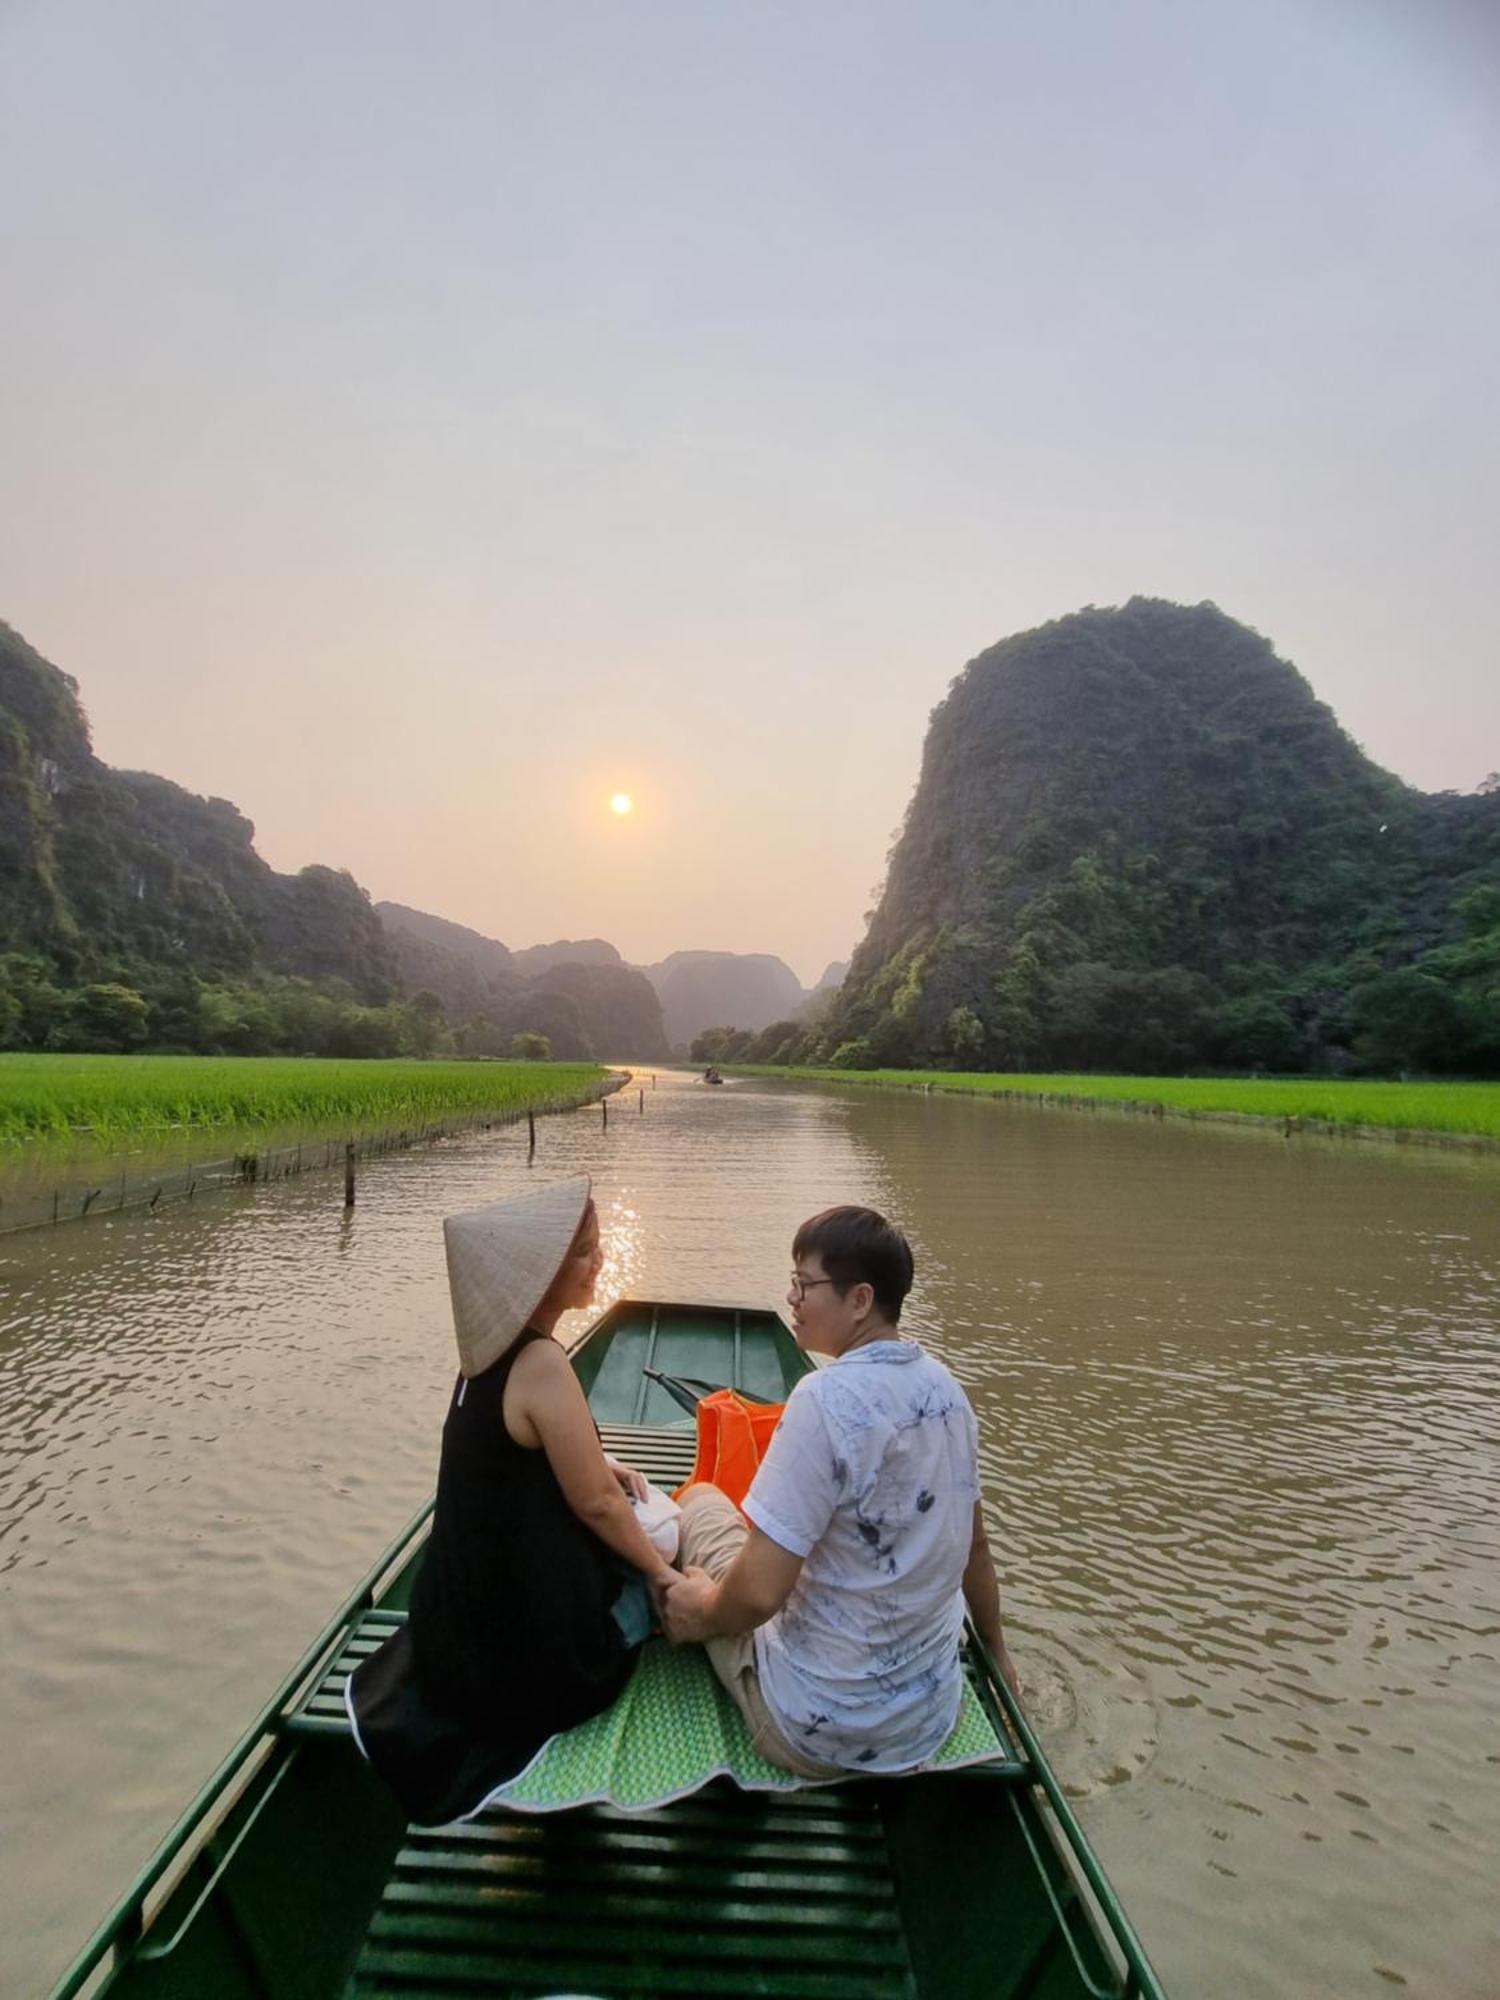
733	1437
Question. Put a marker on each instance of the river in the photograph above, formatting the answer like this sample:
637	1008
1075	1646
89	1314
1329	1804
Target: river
1238	1398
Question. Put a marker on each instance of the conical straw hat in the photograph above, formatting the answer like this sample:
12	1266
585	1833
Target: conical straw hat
501	1260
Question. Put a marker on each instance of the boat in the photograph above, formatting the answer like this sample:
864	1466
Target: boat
292	1875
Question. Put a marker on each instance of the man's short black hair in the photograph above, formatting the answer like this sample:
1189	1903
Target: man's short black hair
858	1246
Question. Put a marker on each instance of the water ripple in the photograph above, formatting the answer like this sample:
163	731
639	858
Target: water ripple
1238	1403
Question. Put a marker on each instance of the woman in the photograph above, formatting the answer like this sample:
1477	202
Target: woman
532	1596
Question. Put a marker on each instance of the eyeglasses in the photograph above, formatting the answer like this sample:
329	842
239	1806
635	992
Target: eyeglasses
800	1287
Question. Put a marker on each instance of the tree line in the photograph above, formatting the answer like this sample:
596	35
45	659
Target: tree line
179	1014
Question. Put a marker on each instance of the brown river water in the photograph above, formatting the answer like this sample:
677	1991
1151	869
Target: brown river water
1240	1402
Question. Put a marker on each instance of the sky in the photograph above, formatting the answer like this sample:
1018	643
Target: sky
420	424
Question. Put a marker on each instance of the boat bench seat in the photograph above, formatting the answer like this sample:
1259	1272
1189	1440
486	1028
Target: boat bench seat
321	1710
666	1453
721	1893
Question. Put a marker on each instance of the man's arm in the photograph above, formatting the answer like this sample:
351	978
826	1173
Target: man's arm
754	1589
982	1595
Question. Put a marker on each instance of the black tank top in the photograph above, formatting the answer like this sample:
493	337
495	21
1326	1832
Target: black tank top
510	1637
510	1616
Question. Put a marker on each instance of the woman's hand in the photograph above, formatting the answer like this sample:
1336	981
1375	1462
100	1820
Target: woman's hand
661	1585
633	1484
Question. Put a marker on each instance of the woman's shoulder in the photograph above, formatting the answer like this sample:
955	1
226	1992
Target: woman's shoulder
539	1391
539	1360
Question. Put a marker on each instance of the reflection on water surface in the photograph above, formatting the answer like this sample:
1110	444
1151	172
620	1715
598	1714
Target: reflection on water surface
1238	1403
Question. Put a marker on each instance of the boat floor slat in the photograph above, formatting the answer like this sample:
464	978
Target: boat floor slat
740	1811
852	1805
724	1893
393	1976
774	1907
821	1856
850	1881
644	1842
683	1937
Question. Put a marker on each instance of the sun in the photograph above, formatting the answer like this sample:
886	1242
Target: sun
622	803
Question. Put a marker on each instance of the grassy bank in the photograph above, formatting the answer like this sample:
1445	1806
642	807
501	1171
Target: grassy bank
117	1100
1468	1111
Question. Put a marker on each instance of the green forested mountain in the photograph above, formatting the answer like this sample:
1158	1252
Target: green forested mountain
1139	842
104	871
618	1014
133	913
463	967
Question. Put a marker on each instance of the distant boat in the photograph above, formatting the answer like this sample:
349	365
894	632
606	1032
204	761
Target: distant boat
293	1877
712	1076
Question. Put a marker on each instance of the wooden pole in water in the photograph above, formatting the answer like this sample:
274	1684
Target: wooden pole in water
530	1132
349	1174
604	1107
642	1095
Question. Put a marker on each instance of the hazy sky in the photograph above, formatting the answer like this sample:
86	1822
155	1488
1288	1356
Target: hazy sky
419	422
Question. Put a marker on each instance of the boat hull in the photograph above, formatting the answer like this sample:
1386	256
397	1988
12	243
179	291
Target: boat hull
293	1876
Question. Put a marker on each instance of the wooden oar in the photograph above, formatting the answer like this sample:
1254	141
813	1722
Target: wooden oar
689	1390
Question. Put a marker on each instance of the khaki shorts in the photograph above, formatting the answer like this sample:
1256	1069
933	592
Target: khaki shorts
713	1533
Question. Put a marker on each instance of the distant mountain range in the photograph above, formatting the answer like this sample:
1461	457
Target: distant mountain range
694	990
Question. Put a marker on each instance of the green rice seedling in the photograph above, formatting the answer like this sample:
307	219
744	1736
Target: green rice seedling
118	1100
1455	1109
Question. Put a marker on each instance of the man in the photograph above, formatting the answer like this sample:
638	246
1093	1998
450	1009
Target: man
834	1617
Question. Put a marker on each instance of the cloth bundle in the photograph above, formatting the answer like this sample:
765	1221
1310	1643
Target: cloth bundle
660	1520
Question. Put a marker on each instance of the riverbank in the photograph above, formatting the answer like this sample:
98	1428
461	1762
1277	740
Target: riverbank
81	1135
116	1098
1443	1114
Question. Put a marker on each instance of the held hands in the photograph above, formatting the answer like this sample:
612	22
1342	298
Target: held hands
686	1604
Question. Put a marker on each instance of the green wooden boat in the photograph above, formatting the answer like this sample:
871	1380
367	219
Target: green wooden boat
292	1876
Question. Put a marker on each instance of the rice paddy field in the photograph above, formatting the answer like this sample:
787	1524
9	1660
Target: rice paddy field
1457	1111
121	1101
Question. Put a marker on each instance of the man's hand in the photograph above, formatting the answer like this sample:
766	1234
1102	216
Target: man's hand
632	1483
688	1606
1007	1668
661	1585
982	1595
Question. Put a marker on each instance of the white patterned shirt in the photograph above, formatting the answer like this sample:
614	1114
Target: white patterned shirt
871	1478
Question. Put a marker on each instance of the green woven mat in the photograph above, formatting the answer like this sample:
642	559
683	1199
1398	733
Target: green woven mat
671	1731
